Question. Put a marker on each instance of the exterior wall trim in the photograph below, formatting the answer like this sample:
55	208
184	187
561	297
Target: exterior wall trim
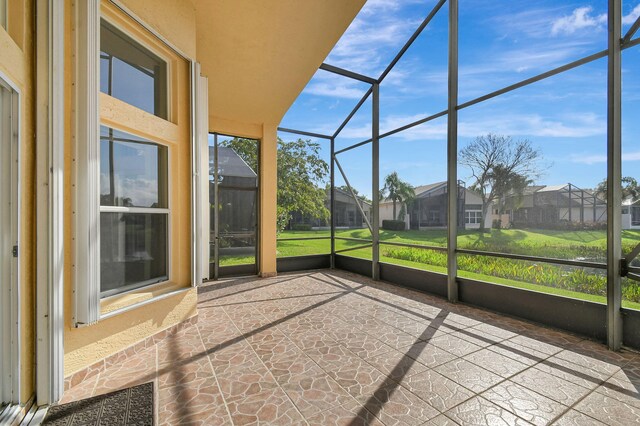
49	200
87	165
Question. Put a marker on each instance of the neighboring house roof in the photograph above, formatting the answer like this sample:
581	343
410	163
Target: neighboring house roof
563	188
347	194
230	163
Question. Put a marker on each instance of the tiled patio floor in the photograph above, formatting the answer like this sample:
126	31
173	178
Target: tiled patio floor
326	348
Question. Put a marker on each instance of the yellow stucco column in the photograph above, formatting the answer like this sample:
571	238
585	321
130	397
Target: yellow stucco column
268	200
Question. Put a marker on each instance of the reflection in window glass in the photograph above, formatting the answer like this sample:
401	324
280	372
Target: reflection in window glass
132	171
133	243
133	251
131	73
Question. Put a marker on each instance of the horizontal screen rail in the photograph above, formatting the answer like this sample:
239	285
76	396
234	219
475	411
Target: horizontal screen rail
303	238
392	243
568	262
354	248
362	240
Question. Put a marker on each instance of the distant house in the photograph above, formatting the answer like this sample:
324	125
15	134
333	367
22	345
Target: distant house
631	213
429	209
347	213
547	206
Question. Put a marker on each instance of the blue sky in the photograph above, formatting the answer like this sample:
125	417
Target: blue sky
501	42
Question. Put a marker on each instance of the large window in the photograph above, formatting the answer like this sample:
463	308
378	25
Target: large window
134	212
130	72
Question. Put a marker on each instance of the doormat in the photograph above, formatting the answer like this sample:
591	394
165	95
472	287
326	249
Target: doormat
131	406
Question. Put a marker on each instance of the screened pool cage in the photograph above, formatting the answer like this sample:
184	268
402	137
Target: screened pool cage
610	322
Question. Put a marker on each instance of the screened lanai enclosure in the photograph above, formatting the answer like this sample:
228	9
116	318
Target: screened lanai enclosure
550	95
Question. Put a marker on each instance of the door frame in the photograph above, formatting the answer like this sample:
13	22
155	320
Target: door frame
234	270
10	342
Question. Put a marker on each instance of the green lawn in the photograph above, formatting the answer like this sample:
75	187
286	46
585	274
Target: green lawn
589	245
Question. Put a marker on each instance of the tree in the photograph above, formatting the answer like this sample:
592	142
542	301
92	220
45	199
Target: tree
397	190
301	172
630	188
500	166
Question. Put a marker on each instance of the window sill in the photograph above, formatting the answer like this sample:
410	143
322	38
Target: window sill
117	304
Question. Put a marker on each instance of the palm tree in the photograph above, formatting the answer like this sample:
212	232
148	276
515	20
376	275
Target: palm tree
397	190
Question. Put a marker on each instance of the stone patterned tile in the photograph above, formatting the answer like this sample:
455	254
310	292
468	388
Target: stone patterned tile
349	414
398	339
497	363
576	418
358	378
469	375
82	390
582	361
331	357
609	410
437	390
246	379
376	354
366	346
396	364
518	352
628	396
181	374
313	394
536	344
197	403
477	337
479	411
501	332
428	354
441	420
551	386
271	407
455	345
524	403
573	373
395	405
287	369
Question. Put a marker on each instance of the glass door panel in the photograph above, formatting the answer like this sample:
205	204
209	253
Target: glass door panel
233	193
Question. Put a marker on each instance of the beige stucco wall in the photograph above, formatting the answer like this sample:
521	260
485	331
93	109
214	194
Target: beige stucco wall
16	63
85	345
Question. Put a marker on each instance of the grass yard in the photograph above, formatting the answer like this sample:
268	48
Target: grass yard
581	283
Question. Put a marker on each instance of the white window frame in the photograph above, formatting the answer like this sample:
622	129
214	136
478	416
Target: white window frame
151	210
10	294
473	217
168	72
86	232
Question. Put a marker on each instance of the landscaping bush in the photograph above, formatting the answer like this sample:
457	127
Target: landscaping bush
496	224
301	227
393	225
573	279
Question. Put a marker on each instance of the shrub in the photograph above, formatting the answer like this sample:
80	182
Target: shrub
573	279
496	224
301	227
393	225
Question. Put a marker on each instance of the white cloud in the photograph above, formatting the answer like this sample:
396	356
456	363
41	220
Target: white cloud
632	16
580	19
378	29
525	125
590	159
